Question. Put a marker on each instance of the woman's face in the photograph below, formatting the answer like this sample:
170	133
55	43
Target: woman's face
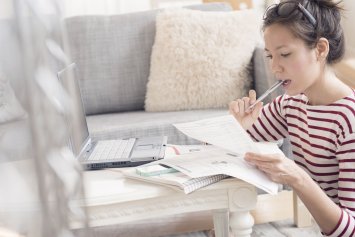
291	60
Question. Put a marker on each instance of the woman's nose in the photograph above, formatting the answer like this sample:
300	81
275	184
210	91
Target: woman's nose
275	67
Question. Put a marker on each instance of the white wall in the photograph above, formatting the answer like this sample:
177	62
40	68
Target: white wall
76	7
348	25
91	7
79	7
6	8
134	5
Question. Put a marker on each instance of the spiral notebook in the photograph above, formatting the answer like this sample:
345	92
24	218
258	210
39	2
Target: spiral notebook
177	180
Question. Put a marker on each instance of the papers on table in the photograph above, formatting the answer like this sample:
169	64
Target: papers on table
226	133
219	161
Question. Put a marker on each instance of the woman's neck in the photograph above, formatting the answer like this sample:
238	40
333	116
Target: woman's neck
327	89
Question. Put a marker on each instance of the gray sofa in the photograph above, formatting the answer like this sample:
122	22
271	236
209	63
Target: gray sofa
113	58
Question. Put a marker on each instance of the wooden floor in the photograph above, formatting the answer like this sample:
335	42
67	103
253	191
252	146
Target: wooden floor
276	229
285	228
177	226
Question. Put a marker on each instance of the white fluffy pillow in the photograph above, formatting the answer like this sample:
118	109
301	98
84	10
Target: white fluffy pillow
199	59
10	108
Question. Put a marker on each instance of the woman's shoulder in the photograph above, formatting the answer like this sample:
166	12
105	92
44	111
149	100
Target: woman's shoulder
346	104
345	109
350	99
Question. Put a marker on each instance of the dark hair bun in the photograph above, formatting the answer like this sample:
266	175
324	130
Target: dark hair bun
327	14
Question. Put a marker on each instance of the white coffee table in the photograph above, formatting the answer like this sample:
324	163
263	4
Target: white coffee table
113	199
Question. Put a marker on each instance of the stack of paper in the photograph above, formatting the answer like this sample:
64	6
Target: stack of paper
224	158
226	133
220	161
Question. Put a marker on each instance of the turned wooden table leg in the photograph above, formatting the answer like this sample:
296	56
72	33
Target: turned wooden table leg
241	223
221	223
241	201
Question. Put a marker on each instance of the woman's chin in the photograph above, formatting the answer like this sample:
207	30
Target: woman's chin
292	92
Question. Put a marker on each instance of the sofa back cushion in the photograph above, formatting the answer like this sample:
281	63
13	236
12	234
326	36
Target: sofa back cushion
112	53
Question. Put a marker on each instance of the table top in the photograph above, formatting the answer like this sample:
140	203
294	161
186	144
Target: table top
110	186
101	186
110	197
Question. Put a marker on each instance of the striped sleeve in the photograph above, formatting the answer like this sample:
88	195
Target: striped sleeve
271	124
346	187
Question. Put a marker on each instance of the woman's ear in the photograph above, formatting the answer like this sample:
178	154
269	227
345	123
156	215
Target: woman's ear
322	49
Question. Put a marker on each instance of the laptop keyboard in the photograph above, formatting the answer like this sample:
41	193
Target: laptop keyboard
112	149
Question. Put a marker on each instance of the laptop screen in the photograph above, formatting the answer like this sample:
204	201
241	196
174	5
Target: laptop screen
79	135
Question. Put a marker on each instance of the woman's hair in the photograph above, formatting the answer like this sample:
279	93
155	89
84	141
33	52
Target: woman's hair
327	16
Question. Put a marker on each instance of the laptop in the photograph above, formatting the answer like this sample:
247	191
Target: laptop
105	153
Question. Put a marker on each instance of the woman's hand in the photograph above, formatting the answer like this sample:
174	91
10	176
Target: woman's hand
239	109
279	168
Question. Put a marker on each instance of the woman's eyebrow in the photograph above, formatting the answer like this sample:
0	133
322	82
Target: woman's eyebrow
279	47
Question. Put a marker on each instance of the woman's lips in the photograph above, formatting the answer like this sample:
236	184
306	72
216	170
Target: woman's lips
286	83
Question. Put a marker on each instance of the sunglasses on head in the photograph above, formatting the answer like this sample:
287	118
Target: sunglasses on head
285	9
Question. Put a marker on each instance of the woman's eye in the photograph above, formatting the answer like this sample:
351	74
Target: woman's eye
285	54
269	56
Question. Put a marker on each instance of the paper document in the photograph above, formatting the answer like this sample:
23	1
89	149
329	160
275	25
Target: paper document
224	132
220	161
174	150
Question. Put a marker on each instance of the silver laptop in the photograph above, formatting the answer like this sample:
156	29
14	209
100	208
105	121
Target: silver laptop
106	153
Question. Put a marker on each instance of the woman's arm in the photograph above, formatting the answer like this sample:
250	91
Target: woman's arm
329	216
324	211
333	219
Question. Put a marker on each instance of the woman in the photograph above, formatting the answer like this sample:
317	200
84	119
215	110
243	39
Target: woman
302	40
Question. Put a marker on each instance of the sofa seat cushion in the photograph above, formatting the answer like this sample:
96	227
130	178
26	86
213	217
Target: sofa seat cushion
141	123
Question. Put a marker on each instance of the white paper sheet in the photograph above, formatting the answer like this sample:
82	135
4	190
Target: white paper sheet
224	132
219	161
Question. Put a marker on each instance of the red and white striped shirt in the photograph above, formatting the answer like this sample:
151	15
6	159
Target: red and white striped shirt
323	144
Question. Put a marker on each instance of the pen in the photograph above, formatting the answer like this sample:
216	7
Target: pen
266	93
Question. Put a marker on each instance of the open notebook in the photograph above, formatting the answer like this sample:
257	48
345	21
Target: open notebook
177	180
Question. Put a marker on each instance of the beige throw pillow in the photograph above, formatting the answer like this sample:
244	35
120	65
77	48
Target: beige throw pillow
199	59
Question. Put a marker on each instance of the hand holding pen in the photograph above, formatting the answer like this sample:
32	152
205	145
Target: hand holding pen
247	109
266	93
